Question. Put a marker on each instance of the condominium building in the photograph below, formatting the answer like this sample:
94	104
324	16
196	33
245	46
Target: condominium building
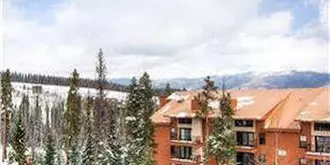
276	126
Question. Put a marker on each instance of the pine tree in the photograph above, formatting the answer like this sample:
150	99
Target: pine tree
72	118
221	143
168	90
134	138
100	111
18	140
6	102
89	156
49	148
204	99
147	108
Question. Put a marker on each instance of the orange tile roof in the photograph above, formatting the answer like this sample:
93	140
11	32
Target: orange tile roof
318	109
282	117
278	107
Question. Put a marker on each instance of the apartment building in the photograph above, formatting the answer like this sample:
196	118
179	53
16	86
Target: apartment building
278	126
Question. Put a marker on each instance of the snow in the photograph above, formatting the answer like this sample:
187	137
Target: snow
182	115
244	101
177	97
53	94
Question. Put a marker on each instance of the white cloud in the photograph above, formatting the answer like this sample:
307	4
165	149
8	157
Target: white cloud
166	38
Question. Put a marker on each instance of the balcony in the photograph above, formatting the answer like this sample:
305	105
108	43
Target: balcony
321	151
184	154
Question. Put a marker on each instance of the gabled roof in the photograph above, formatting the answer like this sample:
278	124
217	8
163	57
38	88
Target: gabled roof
318	109
279	108
282	117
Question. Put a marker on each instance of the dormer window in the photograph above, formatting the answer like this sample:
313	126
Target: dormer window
244	123
184	120
322	126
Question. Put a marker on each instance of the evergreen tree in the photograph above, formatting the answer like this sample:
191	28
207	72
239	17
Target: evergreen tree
6	103
221	143
168	90
18	140
134	137
101	118
72	118
49	148
147	108
204	99
89	156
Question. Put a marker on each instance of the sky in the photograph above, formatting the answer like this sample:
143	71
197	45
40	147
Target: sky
166	38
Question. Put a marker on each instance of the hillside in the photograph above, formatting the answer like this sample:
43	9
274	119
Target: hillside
250	80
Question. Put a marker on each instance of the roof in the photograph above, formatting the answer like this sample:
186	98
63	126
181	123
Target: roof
318	109
279	108
282	116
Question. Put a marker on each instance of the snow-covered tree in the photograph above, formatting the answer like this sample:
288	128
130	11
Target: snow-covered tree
18	139
89	154
6	104
72	119
49	148
221	143
204	99
147	109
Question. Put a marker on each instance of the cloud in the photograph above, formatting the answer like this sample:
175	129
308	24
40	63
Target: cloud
166	38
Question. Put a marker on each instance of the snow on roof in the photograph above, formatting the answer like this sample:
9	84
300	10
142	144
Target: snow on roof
244	101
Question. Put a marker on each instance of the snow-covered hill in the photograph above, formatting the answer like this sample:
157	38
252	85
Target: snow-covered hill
251	80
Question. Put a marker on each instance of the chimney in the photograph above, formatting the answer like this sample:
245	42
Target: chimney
162	101
234	103
194	105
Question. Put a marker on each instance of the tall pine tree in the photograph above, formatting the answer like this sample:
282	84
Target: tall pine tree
204	99
6	103
18	139
134	130
147	108
89	154
72	118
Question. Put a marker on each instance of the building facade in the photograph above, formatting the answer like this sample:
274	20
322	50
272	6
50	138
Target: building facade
284	127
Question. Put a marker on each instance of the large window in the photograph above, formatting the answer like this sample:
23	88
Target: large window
244	123
185	134
184	121
322	126
243	158
245	138
181	152
322	144
322	162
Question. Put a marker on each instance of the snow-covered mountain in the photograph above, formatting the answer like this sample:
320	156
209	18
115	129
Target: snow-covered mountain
250	80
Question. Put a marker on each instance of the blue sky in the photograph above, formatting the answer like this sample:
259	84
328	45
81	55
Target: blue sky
214	36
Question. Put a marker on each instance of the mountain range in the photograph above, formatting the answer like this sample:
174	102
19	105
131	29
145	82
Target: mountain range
248	80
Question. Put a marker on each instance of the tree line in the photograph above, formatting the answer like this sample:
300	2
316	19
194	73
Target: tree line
83	82
95	130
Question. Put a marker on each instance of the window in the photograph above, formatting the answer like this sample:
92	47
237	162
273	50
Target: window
245	138
262	139
173	134
303	142
185	121
181	152
185	134
322	126
173	152
244	123
322	162
302	161
322	144
243	158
